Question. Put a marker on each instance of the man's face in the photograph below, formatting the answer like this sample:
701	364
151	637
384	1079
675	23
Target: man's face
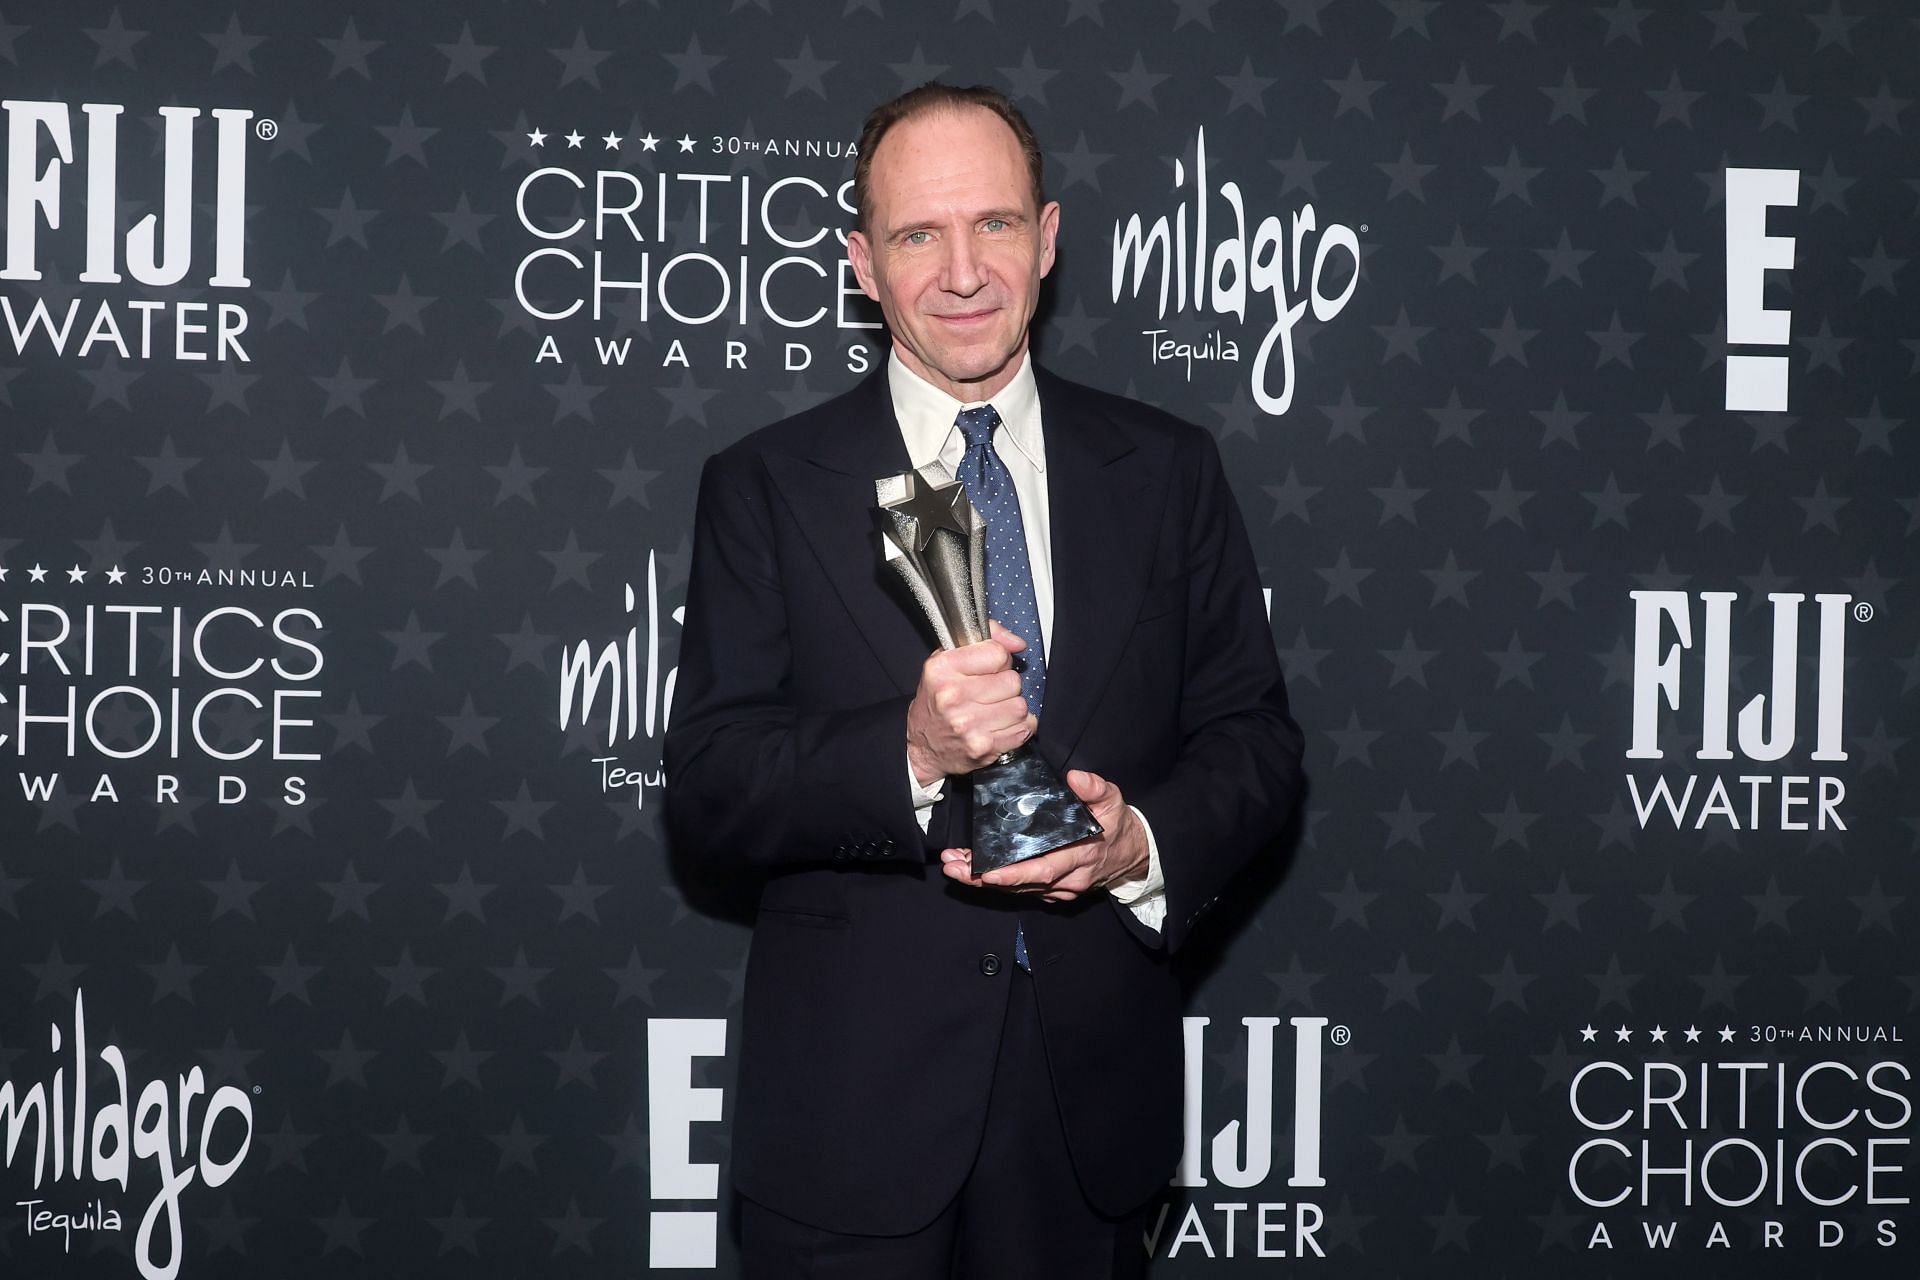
954	249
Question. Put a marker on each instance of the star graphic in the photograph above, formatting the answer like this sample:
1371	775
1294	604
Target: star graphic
1349	904
1297	171
342	1230
466	57
1353	92
1512	178
579	62
1675	102
1456	905
633	980
692	68
1411	16
1568	98
1245	89
805	72
1353	742
115	42
1137	84
916	70
350	52
1461	95
233	47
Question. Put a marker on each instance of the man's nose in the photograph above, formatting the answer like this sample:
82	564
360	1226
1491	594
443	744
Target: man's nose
964	273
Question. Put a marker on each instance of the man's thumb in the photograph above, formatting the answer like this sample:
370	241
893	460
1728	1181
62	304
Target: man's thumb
1090	787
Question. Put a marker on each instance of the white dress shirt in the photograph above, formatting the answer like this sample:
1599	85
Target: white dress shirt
927	417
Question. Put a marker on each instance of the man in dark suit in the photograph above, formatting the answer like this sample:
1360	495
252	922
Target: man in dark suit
939	1067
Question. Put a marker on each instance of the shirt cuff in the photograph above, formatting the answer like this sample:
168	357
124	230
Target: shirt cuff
927	796
1146	898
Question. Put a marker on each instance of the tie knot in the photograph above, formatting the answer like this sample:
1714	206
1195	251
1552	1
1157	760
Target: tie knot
977	425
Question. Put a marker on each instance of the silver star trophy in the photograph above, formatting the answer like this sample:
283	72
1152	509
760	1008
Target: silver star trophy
935	540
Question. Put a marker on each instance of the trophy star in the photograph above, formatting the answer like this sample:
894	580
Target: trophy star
934	506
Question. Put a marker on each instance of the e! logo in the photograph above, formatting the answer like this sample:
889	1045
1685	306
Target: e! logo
1756	383
681	1238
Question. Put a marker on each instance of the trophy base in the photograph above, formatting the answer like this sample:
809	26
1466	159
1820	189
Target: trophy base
1023	808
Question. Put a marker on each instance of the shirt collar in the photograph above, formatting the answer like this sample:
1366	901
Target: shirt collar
927	414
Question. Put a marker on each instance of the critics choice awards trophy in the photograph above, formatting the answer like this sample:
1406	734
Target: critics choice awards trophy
935	540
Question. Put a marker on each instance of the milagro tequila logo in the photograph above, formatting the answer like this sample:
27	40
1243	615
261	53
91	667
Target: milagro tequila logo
625	683
1241	1218
1760	794
1205	260
95	1130
44	184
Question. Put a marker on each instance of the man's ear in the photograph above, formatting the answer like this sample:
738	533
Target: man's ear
860	254
1049	229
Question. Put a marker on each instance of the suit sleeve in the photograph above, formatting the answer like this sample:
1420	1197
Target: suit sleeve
1236	778
750	776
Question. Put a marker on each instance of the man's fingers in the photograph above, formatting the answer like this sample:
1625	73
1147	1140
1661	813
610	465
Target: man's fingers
984	658
1014	735
1042	870
1006	639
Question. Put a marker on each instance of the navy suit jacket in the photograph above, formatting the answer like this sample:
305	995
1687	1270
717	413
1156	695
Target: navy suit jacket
875	987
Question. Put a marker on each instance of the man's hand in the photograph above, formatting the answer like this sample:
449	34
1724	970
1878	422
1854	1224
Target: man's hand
1118	854
968	710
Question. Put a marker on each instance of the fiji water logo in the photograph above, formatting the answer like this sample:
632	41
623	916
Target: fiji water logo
1227	1200
1683	664
48	166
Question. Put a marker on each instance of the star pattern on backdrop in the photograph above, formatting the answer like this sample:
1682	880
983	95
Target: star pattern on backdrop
440	959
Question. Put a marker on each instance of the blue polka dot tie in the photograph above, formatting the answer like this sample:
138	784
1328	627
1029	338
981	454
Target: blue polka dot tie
1009	574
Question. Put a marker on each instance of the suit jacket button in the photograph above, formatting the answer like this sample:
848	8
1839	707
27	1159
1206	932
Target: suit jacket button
989	964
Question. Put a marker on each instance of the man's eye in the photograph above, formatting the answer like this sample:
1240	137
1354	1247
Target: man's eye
918	237
996	224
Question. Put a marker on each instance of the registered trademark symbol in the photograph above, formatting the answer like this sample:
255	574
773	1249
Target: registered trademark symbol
256	1090
1363	226
266	129
1863	612
1341	1035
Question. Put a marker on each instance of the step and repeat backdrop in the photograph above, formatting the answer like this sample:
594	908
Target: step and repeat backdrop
357	367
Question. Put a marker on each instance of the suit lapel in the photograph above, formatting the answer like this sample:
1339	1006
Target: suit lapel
1103	527
829	490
